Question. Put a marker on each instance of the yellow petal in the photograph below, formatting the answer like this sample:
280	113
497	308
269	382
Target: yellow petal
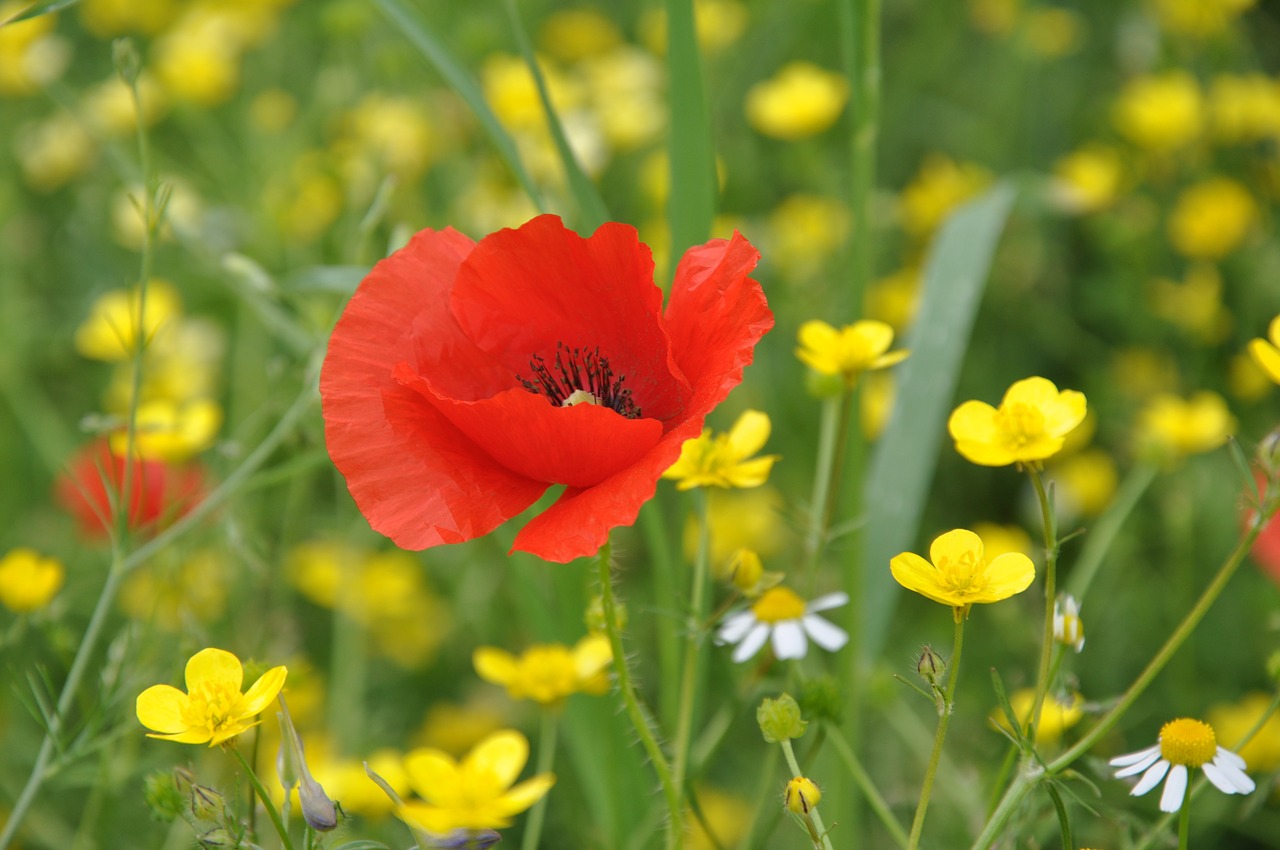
875	337
1273	331
1064	413
973	422
749	433
1008	574
525	794
1266	355
884	361
591	655
502	754
916	574
751	473
263	692
191	736
495	665
216	668
435	819
229	730
433	774
1035	392
955	545
160	708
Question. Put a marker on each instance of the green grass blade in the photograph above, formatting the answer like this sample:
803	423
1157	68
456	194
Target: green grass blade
692	200
903	462
591	207
35	10
435	52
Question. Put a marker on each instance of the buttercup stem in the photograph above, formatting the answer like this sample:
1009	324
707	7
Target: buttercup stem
829	435
1050	591
546	761
813	815
635	712
917	824
691	680
272	812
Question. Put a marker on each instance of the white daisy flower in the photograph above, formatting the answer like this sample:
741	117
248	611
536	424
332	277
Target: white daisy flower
1067	627
1183	743
784	615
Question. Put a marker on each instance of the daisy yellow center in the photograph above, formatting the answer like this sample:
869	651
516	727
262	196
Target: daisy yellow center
778	604
1187	741
580	376
1020	423
209	706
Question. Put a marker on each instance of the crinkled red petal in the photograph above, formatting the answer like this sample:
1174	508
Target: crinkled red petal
413	474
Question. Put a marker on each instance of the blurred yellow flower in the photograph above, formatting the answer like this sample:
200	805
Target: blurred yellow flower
307	198
173	596
624	87
1160	113
1058	713
1030	425
941	185
1245	378
1085	481
894	298
395	133
213	710
994	17
1244	108
29	580
801	100
1211	219
1053	31
344	779
961	575
746	572
182	213
510	89
876	403
111	108
805	231
196	66
107	18
717	24
1088	179
1266	352
739	519
725	460
31	53
1171	428
273	110
456	727
1200	18
111	331
726	816
548	673
1194	305
998	539
475	793
53	151
171	432
848	351
1232	721
571	35
1143	372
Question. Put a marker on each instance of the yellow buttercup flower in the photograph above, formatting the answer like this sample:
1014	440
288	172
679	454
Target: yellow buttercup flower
1057	713
1266	352
717	24
1160	113
802	100
1199	18
960	574
940	186
848	351
1030	425
171	432
213	709
805	231
571	35
1170	427
110	333
725	460
31	52
28	580
1211	219
475	793
1088	179
548	673
53	151
999	539
1085	481
1235	720
1244	108
1193	304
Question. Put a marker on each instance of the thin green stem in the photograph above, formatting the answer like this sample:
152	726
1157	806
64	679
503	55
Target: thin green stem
860	42
265	797
867	785
691	679
1050	590
820	837
546	761
823	471
1184	824
637	714
917	824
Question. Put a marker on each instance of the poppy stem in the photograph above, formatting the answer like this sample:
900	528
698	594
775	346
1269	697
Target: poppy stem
640	717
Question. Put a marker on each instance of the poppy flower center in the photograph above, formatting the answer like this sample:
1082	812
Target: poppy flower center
580	376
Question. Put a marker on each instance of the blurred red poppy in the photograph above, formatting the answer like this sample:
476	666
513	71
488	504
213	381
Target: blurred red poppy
1266	546
159	492
466	378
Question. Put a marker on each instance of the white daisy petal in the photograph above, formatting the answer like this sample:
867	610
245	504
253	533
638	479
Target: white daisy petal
1138	767
825	634
1225	756
789	640
831	600
751	643
1227	779
735	628
1151	778
1175	789
1134	758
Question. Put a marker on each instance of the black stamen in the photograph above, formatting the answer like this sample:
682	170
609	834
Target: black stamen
575	370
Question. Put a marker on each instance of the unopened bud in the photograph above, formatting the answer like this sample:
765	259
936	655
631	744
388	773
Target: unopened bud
780	719
124	55
745	570
207	804
218	837
470	839
931	667
801	796
163	797
318	810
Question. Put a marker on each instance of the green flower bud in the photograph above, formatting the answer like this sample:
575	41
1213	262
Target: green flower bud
780	719
162	796
207	804
124	55
931	667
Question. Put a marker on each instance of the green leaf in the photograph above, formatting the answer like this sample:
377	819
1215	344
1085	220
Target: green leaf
342	280
591	207
432	47
691	202
35	10
903	462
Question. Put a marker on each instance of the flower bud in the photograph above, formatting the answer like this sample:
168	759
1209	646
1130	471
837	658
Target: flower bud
746	570
931	667
207	804
163	797
595	618
464	839
780	719
801	796
124	55
318	810
218	837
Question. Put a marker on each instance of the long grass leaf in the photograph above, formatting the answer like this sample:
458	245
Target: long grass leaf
35	10
434	50
903	462
691	202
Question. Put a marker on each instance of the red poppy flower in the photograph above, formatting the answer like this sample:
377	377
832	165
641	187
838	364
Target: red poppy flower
1266	546
159	492
465	378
